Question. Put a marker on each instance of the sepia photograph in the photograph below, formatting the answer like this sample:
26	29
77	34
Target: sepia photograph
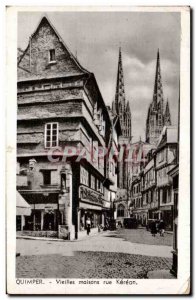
99	108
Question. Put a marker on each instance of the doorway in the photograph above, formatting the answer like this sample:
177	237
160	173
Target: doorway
48	221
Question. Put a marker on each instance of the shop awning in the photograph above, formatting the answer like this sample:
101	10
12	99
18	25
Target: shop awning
22	207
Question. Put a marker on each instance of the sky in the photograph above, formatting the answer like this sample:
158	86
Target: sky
96	38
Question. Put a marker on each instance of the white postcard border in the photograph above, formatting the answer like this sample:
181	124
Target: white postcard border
175	286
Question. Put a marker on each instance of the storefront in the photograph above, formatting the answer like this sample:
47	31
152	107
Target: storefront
94	215
154	212
43	217
90	206
167	216
45	213
141	216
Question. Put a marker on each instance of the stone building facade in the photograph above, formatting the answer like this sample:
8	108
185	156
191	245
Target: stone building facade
140	159
61	121
158	113
166	159
154	198
111	175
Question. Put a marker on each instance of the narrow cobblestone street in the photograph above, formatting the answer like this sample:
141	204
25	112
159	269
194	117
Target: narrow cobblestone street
107	255
145	237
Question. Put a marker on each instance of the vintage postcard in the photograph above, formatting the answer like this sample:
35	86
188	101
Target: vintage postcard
98	150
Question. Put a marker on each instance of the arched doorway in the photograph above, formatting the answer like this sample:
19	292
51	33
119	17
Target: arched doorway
120	210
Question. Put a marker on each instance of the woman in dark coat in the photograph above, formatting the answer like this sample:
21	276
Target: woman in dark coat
161	228
153	228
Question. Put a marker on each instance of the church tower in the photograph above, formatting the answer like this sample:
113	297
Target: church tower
121	108
157	116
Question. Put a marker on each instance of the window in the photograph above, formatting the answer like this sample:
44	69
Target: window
97	185
164	199
92	182
101	187
120	211
147	198
144	199
51	135
159	120
84	176
169	198
63	181
46	177
102	126
52	55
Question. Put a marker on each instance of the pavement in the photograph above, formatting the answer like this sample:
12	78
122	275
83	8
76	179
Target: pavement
103	242
104	255
81	235
142	236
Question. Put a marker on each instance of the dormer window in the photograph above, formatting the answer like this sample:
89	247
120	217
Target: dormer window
52	55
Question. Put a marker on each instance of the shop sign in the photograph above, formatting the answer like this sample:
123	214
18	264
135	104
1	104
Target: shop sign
163	208
51	206
89	195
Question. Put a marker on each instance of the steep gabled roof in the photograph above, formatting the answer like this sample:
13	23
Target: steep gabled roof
45	20
169	135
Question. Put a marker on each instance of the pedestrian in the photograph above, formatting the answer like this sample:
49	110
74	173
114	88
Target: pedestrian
153	228
157	224
88	225
161	228
82	226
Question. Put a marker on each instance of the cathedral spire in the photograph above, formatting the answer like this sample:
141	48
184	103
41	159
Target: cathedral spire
120	89
157	117
158	88
120	106
167	115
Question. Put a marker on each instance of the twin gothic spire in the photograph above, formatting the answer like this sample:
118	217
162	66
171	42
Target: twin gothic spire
158	113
